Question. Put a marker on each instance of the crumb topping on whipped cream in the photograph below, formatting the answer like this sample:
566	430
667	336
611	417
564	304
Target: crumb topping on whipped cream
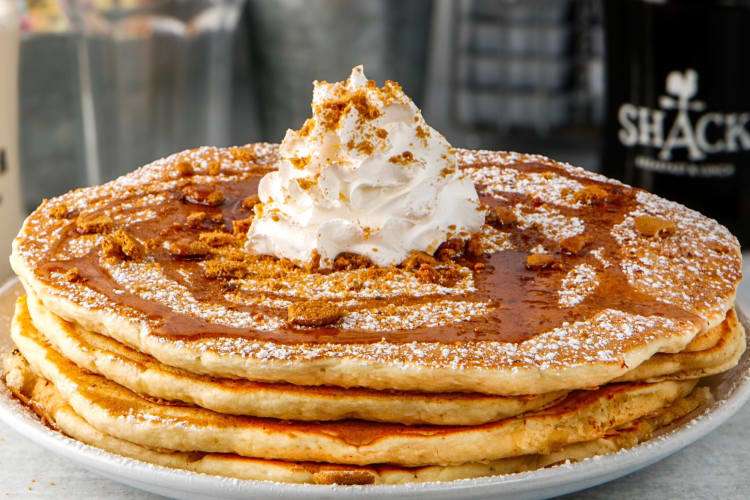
365	175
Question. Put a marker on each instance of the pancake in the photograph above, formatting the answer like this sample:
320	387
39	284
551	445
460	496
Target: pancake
611	294
365	304
112	409
705	339
41	395
720	357
144	375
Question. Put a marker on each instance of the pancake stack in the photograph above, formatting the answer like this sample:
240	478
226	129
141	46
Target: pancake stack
578	321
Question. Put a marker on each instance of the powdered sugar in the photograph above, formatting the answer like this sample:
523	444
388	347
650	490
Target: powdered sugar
605	338
671	268
549	221
577	285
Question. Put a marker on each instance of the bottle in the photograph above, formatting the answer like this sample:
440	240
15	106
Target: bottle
678	103
10	190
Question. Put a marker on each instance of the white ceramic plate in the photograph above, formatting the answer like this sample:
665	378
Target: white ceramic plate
732	390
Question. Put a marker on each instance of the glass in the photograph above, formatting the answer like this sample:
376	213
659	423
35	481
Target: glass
521	75
296	42
155	77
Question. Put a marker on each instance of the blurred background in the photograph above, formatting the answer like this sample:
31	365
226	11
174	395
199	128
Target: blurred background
104	86
108	85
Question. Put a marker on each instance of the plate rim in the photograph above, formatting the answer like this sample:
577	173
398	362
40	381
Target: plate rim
532	484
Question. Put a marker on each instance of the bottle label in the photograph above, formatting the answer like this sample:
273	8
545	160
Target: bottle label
683	123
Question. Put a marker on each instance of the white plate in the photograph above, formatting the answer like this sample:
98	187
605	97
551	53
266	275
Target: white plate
732	390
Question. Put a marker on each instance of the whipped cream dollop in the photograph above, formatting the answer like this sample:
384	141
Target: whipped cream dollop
365	175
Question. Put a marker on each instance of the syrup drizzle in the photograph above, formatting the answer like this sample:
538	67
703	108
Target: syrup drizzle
524	302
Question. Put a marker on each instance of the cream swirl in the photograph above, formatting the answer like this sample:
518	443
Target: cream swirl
365	175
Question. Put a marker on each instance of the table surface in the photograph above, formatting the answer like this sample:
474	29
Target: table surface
715	466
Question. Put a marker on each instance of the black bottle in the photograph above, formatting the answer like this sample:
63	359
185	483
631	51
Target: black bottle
678	103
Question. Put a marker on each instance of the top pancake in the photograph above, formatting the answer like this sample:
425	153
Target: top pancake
615	294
